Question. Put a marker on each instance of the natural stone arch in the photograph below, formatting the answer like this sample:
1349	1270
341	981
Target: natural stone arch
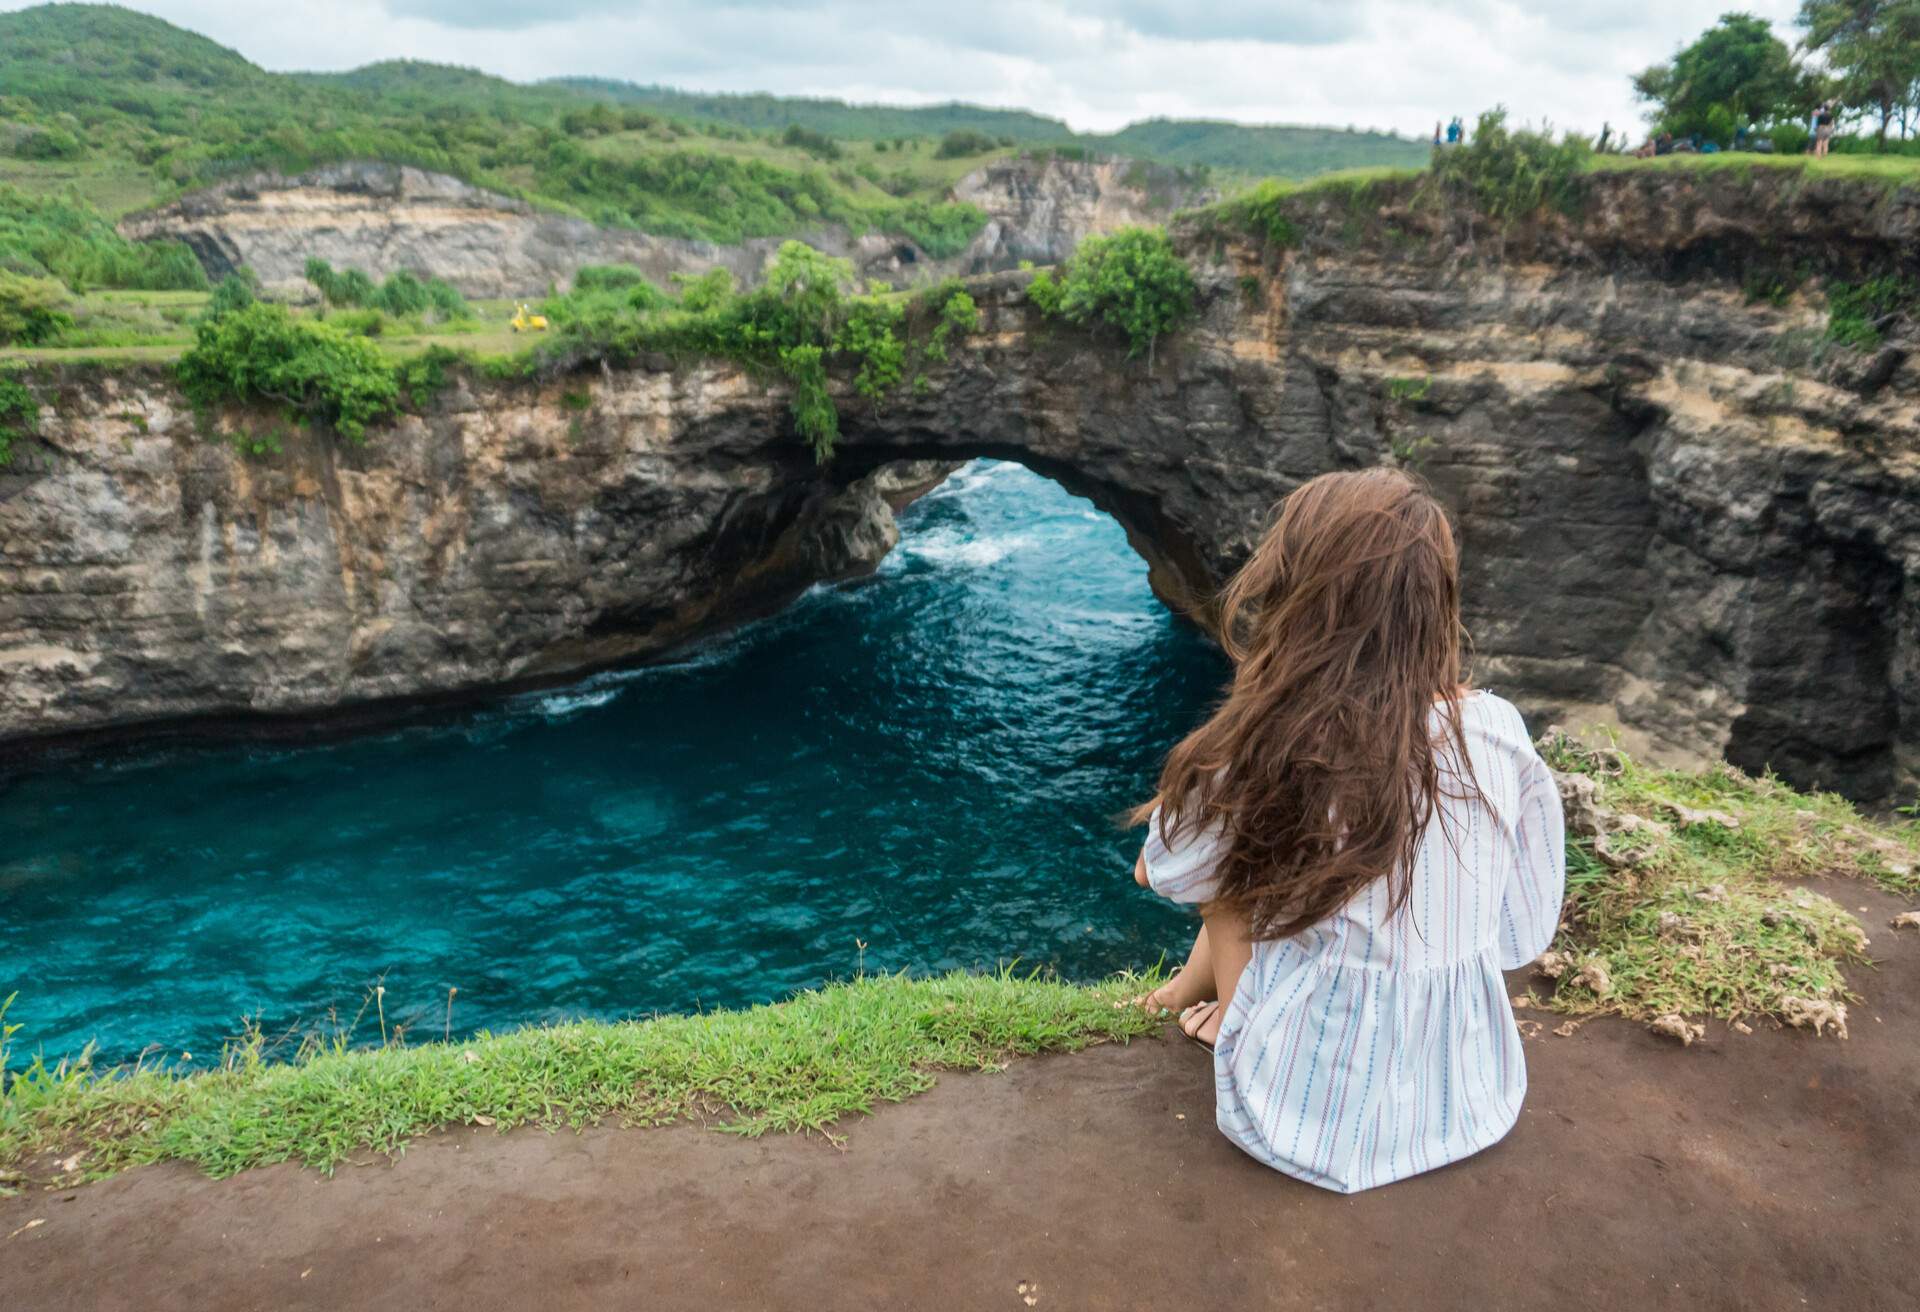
1645	531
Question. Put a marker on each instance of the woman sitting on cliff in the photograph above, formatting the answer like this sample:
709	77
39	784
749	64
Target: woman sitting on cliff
1369	843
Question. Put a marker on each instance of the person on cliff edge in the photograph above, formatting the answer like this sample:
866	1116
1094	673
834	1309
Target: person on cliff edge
1369	842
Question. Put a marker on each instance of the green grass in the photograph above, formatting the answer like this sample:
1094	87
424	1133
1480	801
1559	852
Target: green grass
1895	169
1688	897
801	1065
144	326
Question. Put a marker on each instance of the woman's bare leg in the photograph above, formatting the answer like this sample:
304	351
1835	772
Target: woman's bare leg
1194	982
1229	949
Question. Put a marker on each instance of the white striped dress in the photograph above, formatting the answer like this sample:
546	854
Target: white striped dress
1370	1048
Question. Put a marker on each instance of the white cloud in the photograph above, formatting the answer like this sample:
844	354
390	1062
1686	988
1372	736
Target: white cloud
1097	63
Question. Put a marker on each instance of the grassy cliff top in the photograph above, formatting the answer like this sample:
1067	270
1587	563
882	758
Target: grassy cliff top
1847	215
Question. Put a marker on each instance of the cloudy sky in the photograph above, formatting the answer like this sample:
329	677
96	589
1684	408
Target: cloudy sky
1097	63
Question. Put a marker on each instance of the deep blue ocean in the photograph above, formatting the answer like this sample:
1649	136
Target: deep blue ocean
929	762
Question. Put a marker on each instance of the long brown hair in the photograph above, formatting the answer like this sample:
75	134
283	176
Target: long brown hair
1321	767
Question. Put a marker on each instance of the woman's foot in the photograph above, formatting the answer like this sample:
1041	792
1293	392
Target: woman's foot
1201	1023
1182	989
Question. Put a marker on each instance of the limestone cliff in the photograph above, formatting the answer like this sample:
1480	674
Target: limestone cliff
1683	512
381	218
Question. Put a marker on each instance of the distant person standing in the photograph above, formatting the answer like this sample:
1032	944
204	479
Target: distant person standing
1455	132
1436	134
1823	128
1606	135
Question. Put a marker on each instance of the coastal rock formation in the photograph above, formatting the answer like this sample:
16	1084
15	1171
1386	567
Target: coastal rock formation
1041	210
1684	512
381	218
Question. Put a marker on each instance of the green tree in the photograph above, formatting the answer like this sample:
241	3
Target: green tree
32	310
1737	65
1873	48
1132	282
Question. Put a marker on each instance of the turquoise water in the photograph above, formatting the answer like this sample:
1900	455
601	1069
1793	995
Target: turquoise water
928	762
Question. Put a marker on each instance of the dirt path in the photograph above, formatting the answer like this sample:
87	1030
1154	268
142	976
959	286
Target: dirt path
1771	1171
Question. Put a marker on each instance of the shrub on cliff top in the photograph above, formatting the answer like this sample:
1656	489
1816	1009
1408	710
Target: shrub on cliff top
1510	173
639	290
261	352
1131	283
32	310
806	316
401	295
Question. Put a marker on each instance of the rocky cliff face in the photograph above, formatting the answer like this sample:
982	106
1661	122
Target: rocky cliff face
1682	512
1041	211
381	218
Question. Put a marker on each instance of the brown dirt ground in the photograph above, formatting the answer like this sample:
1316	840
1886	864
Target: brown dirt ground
1752	1172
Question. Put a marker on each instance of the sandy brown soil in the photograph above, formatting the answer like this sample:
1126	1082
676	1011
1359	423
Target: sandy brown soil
1771	1171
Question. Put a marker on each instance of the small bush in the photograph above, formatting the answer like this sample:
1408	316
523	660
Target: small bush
419	377
806	316
941	230
348	288
19	417
871	335
403	295
262	352
1858	313
1131	283
706	292
1787	138
47	144
361	323
445	301
620	278
236	291
1264	213
1511	173
817	144
964	141
953	311
32	310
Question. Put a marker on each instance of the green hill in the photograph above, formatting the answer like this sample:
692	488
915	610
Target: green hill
1263	151
129	110
108	108
762	112
1256	150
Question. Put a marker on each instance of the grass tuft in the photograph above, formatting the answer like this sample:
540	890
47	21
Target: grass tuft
796	1066
1686	892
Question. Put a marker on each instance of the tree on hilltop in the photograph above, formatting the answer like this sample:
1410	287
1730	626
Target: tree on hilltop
1873	48
1737	73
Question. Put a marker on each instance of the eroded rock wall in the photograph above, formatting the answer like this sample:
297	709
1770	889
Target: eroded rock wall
382	218
150	571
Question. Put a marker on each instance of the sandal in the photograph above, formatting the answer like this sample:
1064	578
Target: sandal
1199	1020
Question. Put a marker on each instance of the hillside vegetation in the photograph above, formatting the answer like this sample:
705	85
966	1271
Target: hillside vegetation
129	110
1256	150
